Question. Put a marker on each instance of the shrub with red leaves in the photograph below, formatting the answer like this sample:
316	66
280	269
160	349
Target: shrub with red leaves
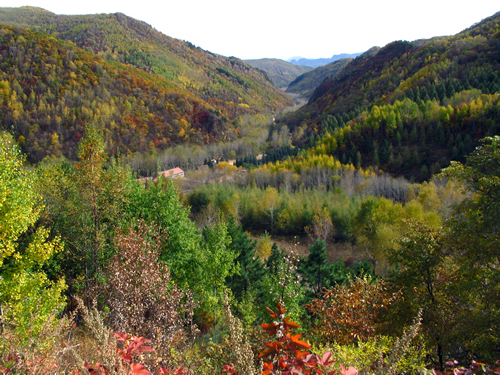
132	348
289	355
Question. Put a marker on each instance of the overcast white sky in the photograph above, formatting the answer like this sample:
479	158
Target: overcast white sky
286	28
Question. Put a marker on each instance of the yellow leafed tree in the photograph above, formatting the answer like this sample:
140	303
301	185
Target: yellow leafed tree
27	296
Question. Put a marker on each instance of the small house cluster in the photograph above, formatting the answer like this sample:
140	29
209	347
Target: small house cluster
169	173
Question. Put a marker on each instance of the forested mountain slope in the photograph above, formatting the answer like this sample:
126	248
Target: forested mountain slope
279	71
228	84
50	90
409	108
306	83
400	66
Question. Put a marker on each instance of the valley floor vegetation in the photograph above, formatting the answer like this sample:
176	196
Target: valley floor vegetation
103	273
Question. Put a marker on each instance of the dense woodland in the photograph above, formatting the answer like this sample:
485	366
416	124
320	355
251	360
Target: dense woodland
280	72
228	84
364	238
306	83
51	89
408	108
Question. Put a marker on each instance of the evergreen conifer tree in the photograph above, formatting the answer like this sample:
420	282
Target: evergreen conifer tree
315	269
251	269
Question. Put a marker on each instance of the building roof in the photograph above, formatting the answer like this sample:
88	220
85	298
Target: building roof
172	172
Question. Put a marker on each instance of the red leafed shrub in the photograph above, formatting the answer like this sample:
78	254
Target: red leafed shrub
128	354
289	355
131	349
228	370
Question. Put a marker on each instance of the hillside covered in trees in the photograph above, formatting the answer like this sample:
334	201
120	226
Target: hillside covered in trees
225	83
306	83
51	88
279	71
408	108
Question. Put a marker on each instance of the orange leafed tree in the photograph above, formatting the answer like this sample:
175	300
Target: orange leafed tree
348	313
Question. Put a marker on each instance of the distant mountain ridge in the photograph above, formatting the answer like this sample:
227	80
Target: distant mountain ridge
279	71
307	82
314	63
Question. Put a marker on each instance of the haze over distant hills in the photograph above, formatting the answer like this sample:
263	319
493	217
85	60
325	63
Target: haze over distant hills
314	63
283	73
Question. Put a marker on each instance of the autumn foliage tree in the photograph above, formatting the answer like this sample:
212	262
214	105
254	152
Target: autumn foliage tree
27	296
321	226
142	299
84	204
97	204
348	313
